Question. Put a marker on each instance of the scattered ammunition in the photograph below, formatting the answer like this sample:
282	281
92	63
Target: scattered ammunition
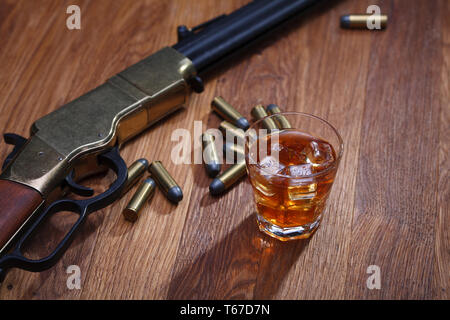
258	113
281	121
227	178
135	171
165	182
144	192
230	130
360	21
226	111
210	155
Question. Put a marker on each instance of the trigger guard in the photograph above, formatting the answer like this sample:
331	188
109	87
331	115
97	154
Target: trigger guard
110	159
114	161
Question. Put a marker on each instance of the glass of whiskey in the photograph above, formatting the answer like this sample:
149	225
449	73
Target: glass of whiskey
292	159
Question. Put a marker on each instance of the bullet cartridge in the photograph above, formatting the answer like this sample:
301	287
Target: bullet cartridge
259	113
230	130
227	112
281	121
359	21
227	178
235	149
165	182
135	171
210	155
143	193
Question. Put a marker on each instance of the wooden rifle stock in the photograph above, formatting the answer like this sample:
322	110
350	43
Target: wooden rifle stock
17	203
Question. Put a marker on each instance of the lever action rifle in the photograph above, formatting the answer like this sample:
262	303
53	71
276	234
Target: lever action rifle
84	136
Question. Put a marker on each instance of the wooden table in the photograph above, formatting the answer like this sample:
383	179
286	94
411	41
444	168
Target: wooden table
387	93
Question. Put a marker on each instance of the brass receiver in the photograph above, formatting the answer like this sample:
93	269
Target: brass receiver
109	115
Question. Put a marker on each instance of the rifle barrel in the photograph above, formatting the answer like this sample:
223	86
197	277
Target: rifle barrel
236	30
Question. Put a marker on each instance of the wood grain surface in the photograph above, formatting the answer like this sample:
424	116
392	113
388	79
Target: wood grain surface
387	92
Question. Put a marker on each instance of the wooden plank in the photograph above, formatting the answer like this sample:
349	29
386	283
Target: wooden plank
442	238
396	210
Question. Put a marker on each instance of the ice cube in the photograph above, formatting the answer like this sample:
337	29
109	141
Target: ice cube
292	156
270	165
276	147
298	171
265	188
302	192
319	154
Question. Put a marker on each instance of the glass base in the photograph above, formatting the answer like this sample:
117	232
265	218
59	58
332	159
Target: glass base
286	234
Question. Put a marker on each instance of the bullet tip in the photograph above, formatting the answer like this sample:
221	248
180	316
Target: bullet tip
216	187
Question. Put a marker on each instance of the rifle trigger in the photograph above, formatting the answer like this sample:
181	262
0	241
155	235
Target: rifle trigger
76	188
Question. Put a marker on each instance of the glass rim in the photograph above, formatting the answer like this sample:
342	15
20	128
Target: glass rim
325	171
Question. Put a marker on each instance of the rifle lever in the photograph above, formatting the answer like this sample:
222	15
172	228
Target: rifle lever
16	259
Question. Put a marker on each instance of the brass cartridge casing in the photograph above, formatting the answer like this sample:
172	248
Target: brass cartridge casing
359	21
227	178
281	121
145	191
165	181
135	171
227	112
210	155
259	113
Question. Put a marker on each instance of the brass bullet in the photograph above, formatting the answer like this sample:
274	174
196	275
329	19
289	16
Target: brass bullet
226	111
359	21
227	178
281	121
230	131
259	113
135	171
234	149
143	193
165	181
210	155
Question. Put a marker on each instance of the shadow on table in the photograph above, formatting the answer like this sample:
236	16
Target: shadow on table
246	264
